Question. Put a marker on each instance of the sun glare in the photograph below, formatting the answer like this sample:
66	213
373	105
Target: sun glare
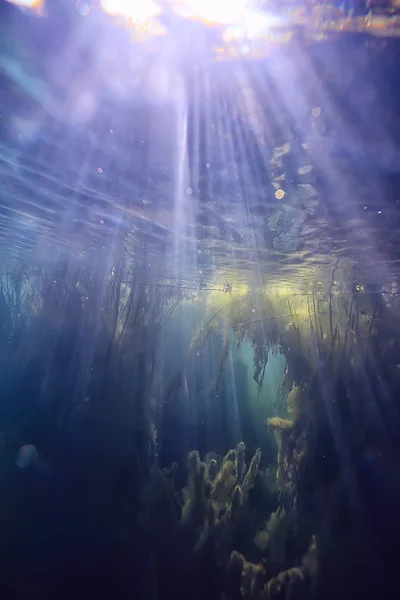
35	5
138	11
222	12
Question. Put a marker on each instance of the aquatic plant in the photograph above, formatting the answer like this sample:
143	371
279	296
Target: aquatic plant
290	584
198	340
215	494
282	429
93	375
80	374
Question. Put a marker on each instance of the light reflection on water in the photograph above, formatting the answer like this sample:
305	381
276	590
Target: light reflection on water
267	180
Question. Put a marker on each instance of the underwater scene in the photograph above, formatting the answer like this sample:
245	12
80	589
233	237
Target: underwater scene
199	299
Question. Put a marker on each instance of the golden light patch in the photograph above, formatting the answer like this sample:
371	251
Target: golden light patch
35	5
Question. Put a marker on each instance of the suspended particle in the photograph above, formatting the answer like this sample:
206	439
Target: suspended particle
189	191
100	170
82	7
316	112
26	456
279	194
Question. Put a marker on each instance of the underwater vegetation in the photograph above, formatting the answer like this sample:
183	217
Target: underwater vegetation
214	440
121	465
215	494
